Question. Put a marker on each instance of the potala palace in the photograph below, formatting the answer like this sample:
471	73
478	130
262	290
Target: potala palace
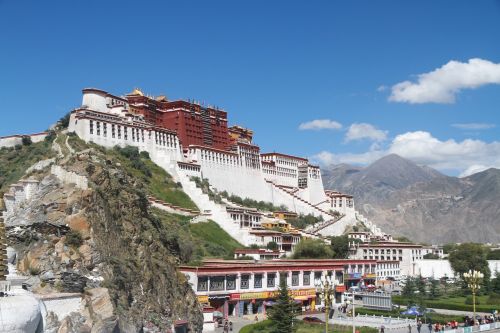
190	140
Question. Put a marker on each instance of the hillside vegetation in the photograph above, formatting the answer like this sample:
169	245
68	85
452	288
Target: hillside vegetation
157	181
213	241
16	160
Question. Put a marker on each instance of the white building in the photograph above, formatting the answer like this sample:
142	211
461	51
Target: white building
407	254
280	179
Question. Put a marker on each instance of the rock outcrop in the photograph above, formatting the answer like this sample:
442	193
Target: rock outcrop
90	229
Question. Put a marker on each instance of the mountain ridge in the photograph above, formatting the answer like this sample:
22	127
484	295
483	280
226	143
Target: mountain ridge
421	203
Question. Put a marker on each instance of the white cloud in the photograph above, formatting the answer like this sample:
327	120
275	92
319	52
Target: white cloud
463	157
320	124
474	169
474	126
327	158
360	131
381	88
443	84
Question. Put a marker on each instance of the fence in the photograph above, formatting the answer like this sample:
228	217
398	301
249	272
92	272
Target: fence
392	323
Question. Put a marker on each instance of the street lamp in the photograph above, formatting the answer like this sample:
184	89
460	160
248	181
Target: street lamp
325	286
474	279
353	312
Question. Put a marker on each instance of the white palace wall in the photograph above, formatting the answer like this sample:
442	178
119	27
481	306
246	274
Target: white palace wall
225	171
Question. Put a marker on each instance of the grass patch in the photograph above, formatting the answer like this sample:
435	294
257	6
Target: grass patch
265	327
16	160
214	241
157	181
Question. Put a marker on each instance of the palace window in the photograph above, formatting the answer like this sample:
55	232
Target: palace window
217	283
125	132
91	127
245	282
98	125
271	277
133	134
202	283
113	131
104	129
119	132
295	278
230	282
306	279
257	281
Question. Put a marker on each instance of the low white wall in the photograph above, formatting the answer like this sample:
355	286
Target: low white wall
15	140
439	268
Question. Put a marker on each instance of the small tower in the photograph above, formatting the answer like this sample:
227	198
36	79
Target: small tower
4	269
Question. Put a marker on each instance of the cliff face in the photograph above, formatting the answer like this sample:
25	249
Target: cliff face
105	242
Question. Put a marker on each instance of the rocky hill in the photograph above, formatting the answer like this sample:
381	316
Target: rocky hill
88	228
420	203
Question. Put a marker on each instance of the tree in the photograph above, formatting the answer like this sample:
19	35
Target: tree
494	255
272	246
431	256
282	314
403	239
420	284
26	140
495	283
340	246
409	290
64	121
470	256
434	288
312	248
447	248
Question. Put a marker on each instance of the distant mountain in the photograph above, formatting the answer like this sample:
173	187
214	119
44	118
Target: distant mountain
419	202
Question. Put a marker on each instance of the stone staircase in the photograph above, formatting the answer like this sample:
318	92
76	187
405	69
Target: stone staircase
301	205
212	210
315	228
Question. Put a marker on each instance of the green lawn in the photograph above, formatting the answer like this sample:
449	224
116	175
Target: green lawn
164	188
264	327
214	240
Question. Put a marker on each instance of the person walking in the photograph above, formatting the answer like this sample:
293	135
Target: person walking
382	329
419	325
429	326
409	328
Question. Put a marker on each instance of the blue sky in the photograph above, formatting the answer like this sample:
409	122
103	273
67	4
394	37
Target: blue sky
274	65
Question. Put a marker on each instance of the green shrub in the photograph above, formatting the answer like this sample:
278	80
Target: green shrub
74	238
469	300
27	141
64	121
494	299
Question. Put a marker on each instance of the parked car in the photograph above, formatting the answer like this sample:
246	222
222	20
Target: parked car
313	320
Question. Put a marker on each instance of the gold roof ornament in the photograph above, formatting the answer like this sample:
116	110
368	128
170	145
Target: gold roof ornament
136	92
162	98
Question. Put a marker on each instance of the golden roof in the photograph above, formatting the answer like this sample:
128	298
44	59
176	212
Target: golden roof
137	91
